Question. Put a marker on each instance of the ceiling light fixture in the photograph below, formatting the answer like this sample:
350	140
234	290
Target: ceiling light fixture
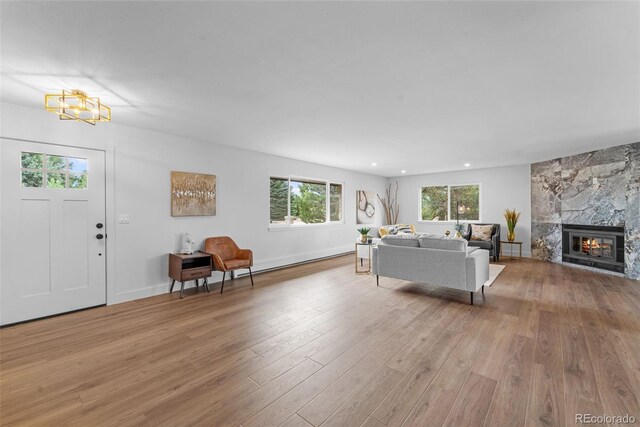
403	171
76	105
374	164
466	165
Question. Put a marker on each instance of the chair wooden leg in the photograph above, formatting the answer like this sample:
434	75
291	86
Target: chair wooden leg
471	293
224	273
206	284
251	275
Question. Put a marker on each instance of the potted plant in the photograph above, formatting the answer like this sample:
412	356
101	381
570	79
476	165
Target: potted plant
512	219
364	234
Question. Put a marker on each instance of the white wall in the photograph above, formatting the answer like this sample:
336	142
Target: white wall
502	188
138	183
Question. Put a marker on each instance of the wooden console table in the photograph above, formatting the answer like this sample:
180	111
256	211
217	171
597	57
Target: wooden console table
184	267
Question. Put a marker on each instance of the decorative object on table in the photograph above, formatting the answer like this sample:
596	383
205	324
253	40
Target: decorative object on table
193	194
390	205
187	244
78	106
364	234
447	233
365	209
369	240
512	218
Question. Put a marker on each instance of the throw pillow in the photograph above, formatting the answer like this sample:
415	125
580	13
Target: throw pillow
481	232
404	229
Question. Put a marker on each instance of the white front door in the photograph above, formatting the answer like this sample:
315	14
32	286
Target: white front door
53	230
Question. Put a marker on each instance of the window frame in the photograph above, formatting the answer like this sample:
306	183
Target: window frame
327	182
451	219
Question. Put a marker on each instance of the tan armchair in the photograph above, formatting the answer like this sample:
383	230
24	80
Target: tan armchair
227	256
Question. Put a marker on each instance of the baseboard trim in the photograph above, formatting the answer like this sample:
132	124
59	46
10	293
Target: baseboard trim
216	277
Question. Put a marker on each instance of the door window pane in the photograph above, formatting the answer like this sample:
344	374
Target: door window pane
78	182
32	179
53	171
32	161
335	202
434	203
56	180
56	162
77	165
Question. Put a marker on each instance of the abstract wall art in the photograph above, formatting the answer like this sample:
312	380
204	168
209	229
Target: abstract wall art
366	209
193	194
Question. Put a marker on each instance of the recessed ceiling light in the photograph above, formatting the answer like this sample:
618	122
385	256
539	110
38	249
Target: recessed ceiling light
466	165
403	171
374	164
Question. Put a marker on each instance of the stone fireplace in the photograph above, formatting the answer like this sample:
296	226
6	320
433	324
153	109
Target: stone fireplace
594	246
585	209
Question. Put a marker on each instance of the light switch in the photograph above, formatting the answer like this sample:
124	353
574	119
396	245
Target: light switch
123	219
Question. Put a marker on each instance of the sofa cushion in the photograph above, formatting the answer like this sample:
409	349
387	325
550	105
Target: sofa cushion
482	244
471	249
433	241
401	240
481	232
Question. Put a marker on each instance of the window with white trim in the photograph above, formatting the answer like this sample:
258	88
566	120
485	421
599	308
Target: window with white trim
302	201
450	202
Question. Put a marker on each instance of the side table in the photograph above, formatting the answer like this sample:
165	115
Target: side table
183	267
361	270
506	242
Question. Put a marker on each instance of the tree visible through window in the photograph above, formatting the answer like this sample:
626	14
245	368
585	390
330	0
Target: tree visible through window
440	203
53	171
299	201
434	203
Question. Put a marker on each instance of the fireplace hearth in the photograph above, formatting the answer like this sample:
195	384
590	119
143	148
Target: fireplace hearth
594	246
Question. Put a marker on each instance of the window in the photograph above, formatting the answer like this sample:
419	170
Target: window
295	201
441	203
52	171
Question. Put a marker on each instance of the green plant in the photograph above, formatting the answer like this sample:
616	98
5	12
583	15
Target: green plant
364	231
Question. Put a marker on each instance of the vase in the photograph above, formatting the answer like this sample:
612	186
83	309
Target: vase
363	238
511	235
458	235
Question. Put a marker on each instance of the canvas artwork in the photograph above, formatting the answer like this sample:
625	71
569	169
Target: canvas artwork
366	209
193	194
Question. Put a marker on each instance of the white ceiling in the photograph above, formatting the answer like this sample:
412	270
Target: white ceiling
419	86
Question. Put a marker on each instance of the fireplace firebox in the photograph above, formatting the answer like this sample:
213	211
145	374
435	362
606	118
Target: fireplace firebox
594	246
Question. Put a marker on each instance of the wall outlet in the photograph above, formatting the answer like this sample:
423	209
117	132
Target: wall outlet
123	219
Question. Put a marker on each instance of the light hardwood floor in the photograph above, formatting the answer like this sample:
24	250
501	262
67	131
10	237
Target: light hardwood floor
318	345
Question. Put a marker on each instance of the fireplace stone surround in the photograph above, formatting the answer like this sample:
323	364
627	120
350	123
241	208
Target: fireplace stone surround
599	188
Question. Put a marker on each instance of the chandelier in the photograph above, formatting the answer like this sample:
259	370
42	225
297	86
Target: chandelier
76	105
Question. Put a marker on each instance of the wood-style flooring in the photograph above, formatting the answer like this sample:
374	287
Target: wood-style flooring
318	345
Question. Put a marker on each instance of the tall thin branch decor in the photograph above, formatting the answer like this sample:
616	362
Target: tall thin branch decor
390	205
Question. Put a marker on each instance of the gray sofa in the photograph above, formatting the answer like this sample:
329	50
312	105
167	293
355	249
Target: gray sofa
435	260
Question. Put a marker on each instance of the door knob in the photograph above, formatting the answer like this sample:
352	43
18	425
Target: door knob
99	225
99	236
